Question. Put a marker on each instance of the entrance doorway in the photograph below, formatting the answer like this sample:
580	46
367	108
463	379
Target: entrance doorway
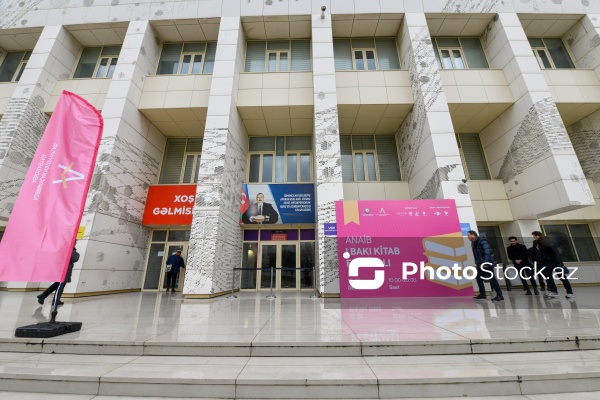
155	272
285	255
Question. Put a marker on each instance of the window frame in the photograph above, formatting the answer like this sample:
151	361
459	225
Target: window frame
20	67
278	59
460	48
364	53
108	65
260	166
570	237
364	153
298	153
98	61
464	160
273	153
535	49
195	167
193	55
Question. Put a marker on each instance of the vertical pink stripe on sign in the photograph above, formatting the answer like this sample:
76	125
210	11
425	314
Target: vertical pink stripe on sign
42	227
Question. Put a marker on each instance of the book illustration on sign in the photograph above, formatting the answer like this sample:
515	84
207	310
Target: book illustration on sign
446	250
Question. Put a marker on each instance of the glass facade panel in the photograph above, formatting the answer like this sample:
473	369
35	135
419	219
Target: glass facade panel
584	243
250	261
559	235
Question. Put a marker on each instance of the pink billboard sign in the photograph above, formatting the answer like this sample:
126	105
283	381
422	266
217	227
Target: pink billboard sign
41	230
401	248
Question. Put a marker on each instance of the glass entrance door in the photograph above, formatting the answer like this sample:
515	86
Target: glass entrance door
172	248
281	254
155	278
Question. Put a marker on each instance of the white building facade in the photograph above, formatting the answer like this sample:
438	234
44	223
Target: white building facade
493	104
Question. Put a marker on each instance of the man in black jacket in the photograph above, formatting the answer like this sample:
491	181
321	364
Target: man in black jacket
518	254
486	262
173	263
552	260
535	255
55	285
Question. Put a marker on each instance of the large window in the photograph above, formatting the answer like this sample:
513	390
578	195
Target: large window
181	162
459	53
473	156
277	56
280	159
574	241
551	53
97	62
13	66
365	54
367	158
187	58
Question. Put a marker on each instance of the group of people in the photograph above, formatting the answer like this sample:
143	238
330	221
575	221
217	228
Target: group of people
542	260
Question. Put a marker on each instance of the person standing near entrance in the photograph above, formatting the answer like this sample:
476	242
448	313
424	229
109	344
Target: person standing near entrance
551	259
482	251
174	262
55	285
518	254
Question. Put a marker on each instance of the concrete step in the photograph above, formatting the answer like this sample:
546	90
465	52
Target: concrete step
275	348
366	377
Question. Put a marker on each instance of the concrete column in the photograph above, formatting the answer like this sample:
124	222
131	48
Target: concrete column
429	155
528	146
113	249
24	120
522	230
326	141
583	40
216	237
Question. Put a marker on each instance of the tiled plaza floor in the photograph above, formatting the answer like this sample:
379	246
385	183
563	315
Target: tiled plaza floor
295	317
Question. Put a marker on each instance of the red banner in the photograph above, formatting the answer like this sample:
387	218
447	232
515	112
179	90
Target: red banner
169	205
40	234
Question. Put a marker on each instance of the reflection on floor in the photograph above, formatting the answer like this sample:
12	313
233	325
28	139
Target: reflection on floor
295	317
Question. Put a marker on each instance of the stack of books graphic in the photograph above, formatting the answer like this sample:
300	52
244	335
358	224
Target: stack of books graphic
446	250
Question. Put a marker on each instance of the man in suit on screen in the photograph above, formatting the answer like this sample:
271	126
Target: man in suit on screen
260	212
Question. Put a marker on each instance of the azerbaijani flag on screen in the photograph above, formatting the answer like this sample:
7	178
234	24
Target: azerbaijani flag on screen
41	230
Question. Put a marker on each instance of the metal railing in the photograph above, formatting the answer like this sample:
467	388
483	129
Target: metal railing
272	270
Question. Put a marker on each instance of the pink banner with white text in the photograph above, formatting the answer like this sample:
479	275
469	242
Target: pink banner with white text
41	230
401	248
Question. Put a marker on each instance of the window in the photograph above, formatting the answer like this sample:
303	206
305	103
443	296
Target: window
574	241
280	159
551	53
472	156
365	54
187	58
277	56
181	161
13	66
97	62
459	53
369	158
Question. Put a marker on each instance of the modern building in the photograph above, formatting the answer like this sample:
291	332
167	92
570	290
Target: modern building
493	104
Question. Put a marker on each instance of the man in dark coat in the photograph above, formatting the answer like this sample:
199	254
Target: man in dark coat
535	255
518	254
55	285
175	261
552	260
485	264
260	212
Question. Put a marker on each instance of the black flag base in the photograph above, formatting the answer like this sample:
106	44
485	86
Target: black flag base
47	329
52	328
